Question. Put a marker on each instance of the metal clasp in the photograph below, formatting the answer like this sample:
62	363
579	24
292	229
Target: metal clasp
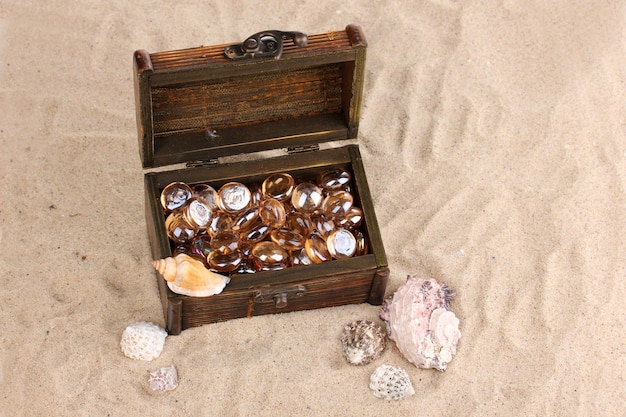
279	296
268	43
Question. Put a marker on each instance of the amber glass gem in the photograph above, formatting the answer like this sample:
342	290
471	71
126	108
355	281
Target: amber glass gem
337	203
178	229
322	224
256	195
234	197
272	212
341	244
287	239
201	245
245	220
307	197
220	221
362	246
175	195
334	179
278	186
268	256
208	193
197	212
225	262
300	222
258	231
351	219
225	241
316	249
300	258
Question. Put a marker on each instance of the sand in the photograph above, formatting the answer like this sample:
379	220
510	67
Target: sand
493	134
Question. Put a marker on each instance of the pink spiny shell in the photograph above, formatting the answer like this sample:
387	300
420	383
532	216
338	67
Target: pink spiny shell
419	321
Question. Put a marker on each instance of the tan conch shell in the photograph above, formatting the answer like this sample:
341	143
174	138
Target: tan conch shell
188	276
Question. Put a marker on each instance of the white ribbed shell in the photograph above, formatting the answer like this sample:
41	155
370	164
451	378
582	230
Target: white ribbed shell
143	341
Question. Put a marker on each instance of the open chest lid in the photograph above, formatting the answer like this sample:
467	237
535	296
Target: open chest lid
199	104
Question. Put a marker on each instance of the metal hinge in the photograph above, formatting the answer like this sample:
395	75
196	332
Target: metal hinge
303	148
198	164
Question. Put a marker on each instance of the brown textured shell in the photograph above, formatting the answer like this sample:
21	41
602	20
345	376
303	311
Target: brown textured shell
363	341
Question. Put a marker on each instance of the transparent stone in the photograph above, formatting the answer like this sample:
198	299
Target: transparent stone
225	262
307	197
334	179
225	242
299	222
279	186
257	232
341	244
322	224
197	212
257	195
175	195
287	239
244	221
337	203
272	212
221	221
177	229
201	245
208	193
362	246
234	197
300	258
316	249
351	219
268	256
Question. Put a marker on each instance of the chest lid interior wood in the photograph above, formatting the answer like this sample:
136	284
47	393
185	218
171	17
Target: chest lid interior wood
197	104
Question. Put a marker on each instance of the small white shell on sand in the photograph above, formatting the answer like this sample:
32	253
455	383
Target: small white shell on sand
163	379
363	341
143	341
391	383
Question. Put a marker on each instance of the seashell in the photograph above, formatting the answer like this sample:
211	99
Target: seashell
363	342
143	341
420	322
163	379
188	276
391	383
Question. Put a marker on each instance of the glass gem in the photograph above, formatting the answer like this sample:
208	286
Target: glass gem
178	229
334	179
225	241
220	221
257	232
362	246
278	186
299	222
234	197
322	224
337	203
175	195
225	262
208	193
351	219
341	244
245	220
287	239
300	258
268	256
316	249
197	212
272	212
201	245
307	197
257	195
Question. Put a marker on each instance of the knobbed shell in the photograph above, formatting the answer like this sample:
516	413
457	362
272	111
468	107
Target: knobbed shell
143	341
391	383
419	321
363	341
188	276
163	379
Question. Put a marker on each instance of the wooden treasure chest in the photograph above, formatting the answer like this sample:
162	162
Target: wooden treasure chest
271	120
